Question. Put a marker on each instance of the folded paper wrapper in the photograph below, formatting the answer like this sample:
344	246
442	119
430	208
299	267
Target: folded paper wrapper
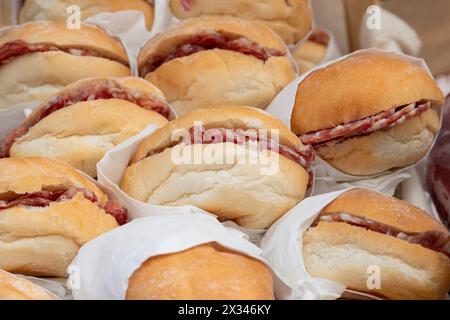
103	266
327	178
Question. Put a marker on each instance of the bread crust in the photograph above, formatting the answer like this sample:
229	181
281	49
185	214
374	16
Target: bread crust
236	117
32	10
358	87
15	288
291	20
206	272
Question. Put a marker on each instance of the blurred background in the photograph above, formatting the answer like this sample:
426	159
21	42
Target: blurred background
429	18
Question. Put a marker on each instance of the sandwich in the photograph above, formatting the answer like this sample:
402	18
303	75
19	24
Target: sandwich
56	10
86	119
48	210
211	61
292	19
15	288
205	272
312	52
238	163
39	58
364	234
368	114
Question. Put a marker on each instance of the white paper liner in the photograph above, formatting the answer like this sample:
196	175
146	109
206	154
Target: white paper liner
282	247
103	266
327	177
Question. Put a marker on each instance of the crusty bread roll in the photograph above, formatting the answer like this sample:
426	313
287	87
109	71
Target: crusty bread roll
237	190
29	76
290	19
206	272
361	87
56	10
217	76
15	288
343	252
82	132
43	240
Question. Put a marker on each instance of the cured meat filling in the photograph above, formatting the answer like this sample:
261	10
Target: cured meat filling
382	121
45	198
434	240
208	41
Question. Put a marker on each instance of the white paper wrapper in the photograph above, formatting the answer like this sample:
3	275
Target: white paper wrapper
328	178
282	247
103	266
109	174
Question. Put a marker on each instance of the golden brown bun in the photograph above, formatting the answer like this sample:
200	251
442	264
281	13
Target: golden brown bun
358	87
15	288
291	20
82	133
206	272
399	147
29	175
34	10
233	191
309	55
57	33
42	241
342	252
218	77
39	75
